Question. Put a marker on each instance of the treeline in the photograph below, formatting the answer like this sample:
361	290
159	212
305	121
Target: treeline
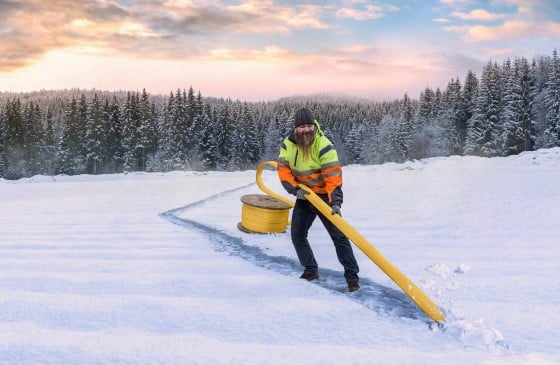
512	107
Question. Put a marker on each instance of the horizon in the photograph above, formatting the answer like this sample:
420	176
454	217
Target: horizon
266	50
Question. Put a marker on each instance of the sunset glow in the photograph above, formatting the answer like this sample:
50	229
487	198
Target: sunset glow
263	50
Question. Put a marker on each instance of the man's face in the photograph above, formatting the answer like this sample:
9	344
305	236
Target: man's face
304	134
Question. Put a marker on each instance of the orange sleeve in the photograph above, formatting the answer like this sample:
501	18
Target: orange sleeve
286	177
333	182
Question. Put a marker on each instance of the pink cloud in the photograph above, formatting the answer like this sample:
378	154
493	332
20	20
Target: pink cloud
515	29
477	14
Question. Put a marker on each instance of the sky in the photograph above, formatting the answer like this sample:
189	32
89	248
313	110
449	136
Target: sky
265	49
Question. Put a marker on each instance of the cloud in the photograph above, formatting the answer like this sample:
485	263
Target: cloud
478	14
270	53
251	16
525	23
370	12
453	2
367	12
160	29
34	27
514	29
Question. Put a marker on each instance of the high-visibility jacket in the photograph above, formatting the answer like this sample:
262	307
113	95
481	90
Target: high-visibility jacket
321	172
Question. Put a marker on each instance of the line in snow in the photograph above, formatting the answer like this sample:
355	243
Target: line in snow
379	298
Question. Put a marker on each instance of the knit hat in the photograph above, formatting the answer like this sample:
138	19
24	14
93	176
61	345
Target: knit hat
303	116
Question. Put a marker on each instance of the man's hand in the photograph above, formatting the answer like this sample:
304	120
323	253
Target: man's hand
300	193
336	210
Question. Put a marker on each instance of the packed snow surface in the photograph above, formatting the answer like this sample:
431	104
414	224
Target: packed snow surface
150	268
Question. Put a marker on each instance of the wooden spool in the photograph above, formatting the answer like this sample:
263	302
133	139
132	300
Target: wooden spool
263	214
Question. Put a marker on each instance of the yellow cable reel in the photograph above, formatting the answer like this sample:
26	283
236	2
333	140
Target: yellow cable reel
264	213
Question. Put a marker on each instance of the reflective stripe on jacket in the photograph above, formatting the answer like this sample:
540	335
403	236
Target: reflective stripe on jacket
321	172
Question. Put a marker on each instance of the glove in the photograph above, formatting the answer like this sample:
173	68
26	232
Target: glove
336	210
300	193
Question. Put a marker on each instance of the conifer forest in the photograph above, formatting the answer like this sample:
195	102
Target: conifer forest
512	107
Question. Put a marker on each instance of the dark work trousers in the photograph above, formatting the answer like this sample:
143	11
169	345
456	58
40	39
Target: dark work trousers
303	215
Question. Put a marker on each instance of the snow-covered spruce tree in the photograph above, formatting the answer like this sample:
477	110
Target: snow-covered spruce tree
95	137
439	134
352	133
131	122
2	139
225	136
386	141
519	128
402	133
248	148
237	143
178	131
165	133
82	126
208	140
483	136
552	101
352	141
14	141
370	150
425	117
33	138
456	126
470	92
113	128
427	106
279	123
191	108
195	109
49	146
540	70
147	143
71	156
337	123
63	165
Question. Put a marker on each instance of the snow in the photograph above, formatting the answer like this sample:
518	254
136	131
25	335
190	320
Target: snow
150	268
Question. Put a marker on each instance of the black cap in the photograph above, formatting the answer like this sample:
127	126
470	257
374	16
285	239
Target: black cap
303	116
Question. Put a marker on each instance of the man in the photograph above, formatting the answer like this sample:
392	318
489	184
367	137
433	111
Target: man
308	157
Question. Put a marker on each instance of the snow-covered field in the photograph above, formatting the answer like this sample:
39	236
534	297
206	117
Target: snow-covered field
151	269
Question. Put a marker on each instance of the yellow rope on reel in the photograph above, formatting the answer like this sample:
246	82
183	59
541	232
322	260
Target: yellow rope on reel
264	213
